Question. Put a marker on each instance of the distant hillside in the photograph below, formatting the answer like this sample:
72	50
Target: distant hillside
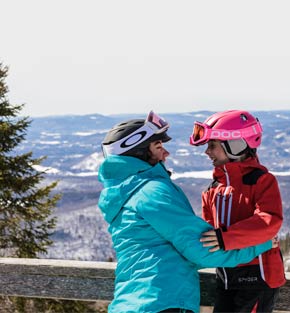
72	145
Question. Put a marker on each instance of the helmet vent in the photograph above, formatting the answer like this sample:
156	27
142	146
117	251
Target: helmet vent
244	117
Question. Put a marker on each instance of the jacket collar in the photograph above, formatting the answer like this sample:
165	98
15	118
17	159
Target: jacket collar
237	169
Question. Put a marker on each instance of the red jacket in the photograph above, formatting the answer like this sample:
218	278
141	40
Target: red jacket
244	203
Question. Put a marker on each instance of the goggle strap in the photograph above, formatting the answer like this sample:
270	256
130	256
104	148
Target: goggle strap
129	142
232	134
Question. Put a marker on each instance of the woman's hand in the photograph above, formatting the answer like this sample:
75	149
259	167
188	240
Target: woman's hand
210	240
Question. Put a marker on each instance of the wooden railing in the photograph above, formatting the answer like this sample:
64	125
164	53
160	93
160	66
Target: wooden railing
84	280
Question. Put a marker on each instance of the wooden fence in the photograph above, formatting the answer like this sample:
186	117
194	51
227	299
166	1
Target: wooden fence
84	280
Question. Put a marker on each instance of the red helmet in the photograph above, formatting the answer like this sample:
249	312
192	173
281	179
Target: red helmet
228	125
238	131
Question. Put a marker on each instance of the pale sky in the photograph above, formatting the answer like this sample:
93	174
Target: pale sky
130	56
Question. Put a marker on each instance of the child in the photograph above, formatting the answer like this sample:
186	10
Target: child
244	205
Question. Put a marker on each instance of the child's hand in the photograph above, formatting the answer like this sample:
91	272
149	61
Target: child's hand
210	240
275	242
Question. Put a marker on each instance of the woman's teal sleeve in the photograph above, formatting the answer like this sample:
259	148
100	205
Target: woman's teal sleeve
168	211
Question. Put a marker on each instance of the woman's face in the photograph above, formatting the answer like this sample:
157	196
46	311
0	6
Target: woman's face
157	152
216	153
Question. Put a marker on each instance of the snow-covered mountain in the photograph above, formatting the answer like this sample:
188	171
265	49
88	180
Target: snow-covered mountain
72	146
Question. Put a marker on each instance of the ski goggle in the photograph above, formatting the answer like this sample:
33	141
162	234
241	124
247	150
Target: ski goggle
202	133
153	125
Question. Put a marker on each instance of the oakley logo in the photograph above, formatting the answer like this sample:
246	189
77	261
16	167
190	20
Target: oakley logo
226	134
133	140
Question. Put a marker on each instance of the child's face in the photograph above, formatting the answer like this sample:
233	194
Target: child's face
157	152
216	153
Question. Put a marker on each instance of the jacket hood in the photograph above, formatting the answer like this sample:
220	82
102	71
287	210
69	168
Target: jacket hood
122	176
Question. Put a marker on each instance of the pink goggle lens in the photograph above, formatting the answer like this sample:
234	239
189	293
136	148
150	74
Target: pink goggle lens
156	120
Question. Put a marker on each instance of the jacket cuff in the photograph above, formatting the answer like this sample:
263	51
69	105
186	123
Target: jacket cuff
219	235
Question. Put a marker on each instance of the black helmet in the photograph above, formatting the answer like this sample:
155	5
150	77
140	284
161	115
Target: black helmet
132	138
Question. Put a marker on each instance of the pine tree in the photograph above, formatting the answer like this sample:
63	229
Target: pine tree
26	221
26	205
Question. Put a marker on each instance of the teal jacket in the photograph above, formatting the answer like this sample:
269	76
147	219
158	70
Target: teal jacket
156	237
